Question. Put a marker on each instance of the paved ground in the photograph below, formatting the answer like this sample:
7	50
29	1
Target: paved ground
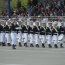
32	56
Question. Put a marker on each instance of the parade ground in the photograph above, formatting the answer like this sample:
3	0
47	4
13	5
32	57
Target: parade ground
32	56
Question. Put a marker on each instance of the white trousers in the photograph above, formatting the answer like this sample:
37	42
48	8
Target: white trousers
8	38
55	39
61	38
19	37
31	38
36	39
2	37
48	38
25	37
42	38
14	38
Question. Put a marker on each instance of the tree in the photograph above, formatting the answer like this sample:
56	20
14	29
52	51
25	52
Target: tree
18	4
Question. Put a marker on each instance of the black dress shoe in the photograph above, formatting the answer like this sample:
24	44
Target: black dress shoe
8	44
0	43
20	45
13	46
3	44
25	44
50	46
55	46
61	46
43	45
37	45
31	45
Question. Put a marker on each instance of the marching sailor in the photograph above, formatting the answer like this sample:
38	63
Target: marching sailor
61	34
30	33
2	35
48	35
42	34
19	34
25	34
55	35
13	35
36	34
7	34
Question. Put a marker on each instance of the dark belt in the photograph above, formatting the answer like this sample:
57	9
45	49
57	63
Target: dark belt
55	33
14	31
19	32
2	31
7	32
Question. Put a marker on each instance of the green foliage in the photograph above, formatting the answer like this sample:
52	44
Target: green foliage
14	3
23	3
18	4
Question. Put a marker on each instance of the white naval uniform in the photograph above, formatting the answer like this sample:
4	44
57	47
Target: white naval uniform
36	35
60	38
48	38
36	38
25	34
25	37
61	35
42	35
42	39
2	36
31	38
13	37
55	38
30	35
19	36
8	37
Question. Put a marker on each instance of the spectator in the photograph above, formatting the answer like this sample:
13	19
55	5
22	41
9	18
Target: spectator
47	8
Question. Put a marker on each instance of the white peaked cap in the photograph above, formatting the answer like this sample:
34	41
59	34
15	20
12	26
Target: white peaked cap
42	20
39	16
31	22
6	23
19	19
39	24
34	24
37	21
9	20
54	22
59	24
28	23
28	19
45	20
17	23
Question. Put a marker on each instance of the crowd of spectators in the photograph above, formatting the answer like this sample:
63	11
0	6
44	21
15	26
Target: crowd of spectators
45	8
48	8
